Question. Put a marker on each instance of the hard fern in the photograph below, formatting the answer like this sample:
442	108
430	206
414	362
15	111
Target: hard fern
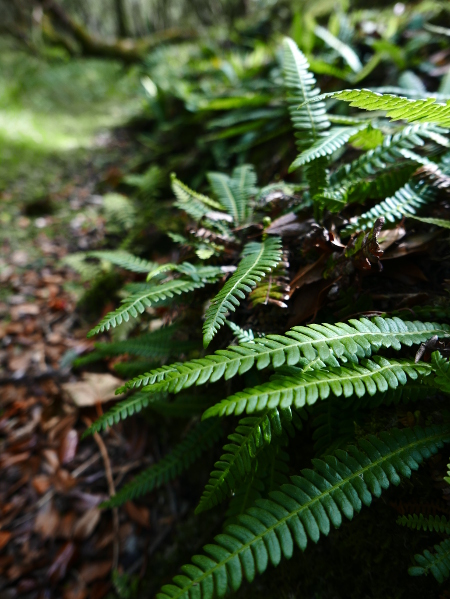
198	440
304	509
257	260
421	522
346	342
136	303
305	388
249	438
235	192
437	563
396	107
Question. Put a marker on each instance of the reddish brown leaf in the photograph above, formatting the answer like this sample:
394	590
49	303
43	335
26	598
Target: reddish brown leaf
47	521
138	513
4	538
94	571
41	483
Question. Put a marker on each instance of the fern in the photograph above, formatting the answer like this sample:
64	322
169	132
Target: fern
241	335
300	83
396	107
442	368
257	260
439	222
123	409
306	388
421	522
137	302
304	509
403	203
188	198
250	437
124	260
437	563
198	440
236	191
344	341
326	146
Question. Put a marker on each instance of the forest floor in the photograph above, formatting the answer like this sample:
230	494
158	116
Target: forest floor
61	150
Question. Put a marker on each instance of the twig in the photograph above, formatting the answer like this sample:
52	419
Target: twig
112	491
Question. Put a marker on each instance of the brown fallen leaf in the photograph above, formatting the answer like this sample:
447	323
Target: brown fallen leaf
41	483
47	521
86	525
95	570
138	513
94	388
5	536
69	445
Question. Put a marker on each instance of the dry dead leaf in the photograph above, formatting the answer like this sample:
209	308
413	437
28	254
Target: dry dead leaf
95	570
4	538
85	526
94	388
47	521
138	513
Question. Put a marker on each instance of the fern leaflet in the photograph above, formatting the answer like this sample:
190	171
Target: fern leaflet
437	563
124	260
421	522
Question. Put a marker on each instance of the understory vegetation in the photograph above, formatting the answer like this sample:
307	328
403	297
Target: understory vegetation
279	260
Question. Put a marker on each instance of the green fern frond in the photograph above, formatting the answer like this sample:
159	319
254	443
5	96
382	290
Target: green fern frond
437	563
184	406
156	344
243	336
257	260
132	368
439	222
269	472
442	369
251	435
124	260
305	388
311	120
188	197
136	303
235	192
421	522
346	341
396	107
304	509
121	411
333	426
403	203
198	440
336	139
387	153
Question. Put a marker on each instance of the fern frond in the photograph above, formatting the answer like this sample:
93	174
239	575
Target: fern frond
184	406
305	388
235	192
198	440
346	341
124	260
311	120
121	411
269	472
251	435
243	336
257	260
389	152
136	303
333	425
437	563
304	509
442	369
189	198
421	522
404	202
336	139
156	344
396	107
439	222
